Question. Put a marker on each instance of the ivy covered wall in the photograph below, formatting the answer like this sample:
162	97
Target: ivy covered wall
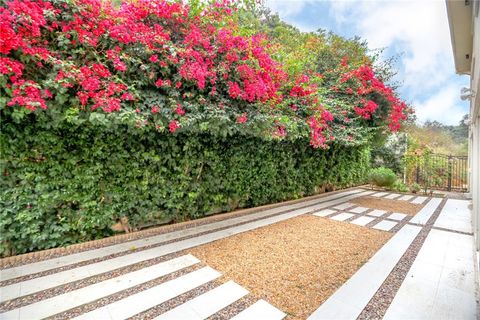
65	184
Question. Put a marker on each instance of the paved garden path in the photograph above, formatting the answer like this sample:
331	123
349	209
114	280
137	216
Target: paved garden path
425	271
152	277
130	278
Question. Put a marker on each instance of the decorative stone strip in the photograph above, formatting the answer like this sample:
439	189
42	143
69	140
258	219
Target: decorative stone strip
96	291
149	242
237	307
378	304
149	298
46	292
71	286
352	297
207	304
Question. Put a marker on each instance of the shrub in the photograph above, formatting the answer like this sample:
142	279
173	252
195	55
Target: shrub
161	111
382	177
415	187
400	186
69	184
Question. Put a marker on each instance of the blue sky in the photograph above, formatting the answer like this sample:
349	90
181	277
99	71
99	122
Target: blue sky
415	30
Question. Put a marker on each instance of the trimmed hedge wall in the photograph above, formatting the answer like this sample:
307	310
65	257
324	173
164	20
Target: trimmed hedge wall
66	184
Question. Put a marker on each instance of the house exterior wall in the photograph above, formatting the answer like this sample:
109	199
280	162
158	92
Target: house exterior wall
464	21
475	121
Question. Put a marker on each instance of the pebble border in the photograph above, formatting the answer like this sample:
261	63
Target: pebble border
64	288
177	301
379	303
74	312
234	308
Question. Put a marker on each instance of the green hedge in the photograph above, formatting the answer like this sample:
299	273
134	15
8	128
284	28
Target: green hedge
66	184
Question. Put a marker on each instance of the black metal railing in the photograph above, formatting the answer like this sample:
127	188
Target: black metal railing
442	172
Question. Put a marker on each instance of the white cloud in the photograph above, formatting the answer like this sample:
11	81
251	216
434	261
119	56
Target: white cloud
444	106
419	29
287	8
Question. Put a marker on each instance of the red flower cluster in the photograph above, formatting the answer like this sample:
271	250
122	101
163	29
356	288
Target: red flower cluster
102	56
366	82
368	109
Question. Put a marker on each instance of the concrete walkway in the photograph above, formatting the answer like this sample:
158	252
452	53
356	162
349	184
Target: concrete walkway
441	282
153	278
114	282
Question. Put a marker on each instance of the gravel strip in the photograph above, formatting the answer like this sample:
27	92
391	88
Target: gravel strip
27	258
295	264
377	219
235	308
400	224
122	294
358	215
175	302
388	205
45	294
382	299
135	249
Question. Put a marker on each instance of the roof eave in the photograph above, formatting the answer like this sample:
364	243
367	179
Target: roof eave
460	22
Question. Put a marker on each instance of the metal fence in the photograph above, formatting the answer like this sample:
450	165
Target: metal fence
442	172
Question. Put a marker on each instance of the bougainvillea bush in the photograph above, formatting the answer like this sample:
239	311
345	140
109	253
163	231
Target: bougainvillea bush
109	84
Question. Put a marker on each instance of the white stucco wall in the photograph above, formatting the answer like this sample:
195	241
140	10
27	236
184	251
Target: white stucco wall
475	121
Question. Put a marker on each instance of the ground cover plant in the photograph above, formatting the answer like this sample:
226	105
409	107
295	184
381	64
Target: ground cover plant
165	111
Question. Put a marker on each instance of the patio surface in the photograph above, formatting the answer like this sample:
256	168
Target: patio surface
425	271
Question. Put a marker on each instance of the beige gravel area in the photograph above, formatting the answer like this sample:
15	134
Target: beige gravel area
295	264
389	205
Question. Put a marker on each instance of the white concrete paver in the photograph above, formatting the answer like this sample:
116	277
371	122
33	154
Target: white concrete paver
358	210
419	200
40	266
441	282
379	194
426	212
397	216
344	206
206	304
363	220
144	300
455	215
72	299
260	310
392	196
342	216
385	225
352	297
324	213
59	278
376	213
405	197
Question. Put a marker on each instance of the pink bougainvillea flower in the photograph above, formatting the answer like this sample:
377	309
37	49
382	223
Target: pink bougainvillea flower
173	126
242	118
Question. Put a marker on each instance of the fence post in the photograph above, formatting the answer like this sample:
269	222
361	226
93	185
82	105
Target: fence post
449	173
